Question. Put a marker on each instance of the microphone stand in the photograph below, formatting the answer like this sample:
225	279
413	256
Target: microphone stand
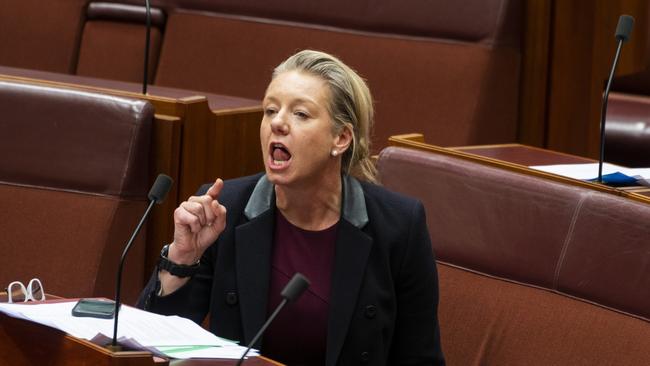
603	111
113	346
146	47
261	331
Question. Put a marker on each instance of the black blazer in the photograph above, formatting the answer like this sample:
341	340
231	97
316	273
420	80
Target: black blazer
384	295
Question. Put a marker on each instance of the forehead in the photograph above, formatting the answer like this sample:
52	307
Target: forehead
299	85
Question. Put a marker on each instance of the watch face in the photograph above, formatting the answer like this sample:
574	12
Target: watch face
165	250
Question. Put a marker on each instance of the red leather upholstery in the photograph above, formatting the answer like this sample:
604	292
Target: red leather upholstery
448	69
113	42
627	139
41	35
73	182
531	271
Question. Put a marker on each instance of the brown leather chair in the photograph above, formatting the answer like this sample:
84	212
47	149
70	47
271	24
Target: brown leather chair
73	184
43	35
113	41
532	271
627	139
450	69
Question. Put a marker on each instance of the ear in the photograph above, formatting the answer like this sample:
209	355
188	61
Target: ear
343	139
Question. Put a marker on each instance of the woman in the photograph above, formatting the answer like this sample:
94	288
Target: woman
374	287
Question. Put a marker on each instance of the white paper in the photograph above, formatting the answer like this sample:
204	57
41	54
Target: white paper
137	329
590	171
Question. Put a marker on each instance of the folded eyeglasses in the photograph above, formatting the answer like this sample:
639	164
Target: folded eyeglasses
17	292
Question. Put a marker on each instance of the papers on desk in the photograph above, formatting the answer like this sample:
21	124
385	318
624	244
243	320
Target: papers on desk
611	173
169	336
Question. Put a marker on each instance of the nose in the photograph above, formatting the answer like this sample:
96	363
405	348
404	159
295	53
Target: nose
279	124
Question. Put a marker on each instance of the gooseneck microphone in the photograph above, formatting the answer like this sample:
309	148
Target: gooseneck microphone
156	195
146	46
291	292
623	30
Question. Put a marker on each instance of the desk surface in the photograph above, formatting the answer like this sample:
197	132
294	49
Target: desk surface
524	155
217	102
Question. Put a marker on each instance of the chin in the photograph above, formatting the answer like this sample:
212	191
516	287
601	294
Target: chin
277	178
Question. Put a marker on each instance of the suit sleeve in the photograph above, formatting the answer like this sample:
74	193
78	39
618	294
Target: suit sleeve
191	301
416	340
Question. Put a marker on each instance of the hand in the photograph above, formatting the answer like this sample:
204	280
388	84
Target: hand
197	224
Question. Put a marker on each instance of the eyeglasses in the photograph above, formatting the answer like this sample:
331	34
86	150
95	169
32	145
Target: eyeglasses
17	292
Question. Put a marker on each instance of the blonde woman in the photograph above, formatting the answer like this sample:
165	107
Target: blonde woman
316	210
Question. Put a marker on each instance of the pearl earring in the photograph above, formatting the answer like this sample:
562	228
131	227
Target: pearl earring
334	152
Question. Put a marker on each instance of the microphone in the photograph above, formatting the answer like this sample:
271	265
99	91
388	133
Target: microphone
146	47
291	292
156	195
623	30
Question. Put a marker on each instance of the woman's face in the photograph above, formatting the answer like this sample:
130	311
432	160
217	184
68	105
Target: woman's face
297	132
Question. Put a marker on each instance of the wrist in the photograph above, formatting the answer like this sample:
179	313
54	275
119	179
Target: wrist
186	258
174	268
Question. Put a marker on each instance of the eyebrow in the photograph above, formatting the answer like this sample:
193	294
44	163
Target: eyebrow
293	102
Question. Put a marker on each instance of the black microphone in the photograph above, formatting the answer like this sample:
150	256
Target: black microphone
146	46
156	195
291	292
623	30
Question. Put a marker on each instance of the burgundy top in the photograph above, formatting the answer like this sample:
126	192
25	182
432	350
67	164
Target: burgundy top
298	335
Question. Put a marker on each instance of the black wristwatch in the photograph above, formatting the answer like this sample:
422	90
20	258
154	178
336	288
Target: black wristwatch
178	270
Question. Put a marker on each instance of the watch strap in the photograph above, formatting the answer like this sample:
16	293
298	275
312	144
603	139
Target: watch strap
178	270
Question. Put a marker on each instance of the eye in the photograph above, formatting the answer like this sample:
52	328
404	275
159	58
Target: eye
301	115
269	111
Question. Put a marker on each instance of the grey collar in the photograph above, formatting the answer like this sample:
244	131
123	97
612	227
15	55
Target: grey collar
354	204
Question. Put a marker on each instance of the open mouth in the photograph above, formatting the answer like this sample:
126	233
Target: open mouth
279	154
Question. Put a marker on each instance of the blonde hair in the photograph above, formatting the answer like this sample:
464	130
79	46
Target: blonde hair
350	106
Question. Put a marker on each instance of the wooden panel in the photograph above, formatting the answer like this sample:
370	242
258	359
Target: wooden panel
236	150
166	141
56	348
534	76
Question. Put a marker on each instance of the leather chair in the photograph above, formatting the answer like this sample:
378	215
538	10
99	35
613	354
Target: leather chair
532	271
627	139
73	184
449	69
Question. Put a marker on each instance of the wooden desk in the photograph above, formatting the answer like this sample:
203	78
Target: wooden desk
26	343
518	158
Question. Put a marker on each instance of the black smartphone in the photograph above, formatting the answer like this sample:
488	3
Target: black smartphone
94	308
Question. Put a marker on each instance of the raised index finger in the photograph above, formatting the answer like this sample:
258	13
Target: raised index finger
215	189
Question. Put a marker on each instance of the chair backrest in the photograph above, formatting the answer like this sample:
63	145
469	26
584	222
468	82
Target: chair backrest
627	138
528	229
43	35
113	41
73	180
449	69
533	271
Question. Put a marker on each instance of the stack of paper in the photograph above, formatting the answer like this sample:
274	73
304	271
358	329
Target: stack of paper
640	176
170	336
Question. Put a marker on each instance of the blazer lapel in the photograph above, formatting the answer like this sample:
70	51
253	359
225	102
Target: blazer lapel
351	254
253	262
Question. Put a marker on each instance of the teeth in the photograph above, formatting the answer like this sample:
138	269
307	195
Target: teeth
279	162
